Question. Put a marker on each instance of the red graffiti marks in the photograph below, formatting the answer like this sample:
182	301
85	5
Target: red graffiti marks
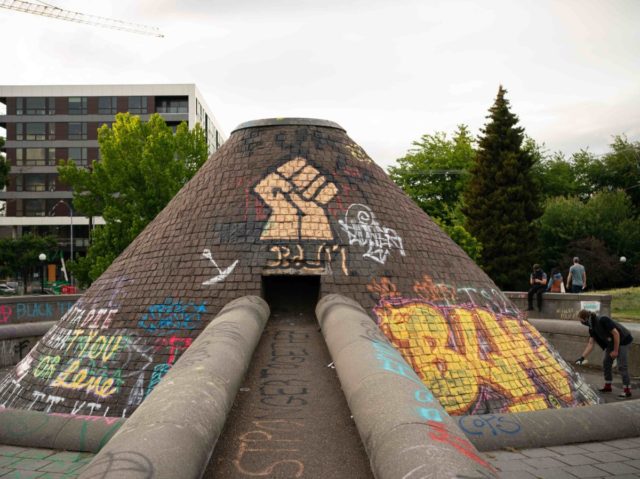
441	434
5	313
279	437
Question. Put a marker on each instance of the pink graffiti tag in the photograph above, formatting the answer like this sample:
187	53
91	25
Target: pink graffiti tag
5	313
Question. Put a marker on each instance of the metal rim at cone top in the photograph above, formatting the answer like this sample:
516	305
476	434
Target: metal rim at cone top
287	122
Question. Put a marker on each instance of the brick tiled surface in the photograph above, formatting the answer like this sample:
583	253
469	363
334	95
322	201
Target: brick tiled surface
293	200
40	463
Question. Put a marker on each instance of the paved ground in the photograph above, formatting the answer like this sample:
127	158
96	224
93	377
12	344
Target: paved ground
23	463
620	459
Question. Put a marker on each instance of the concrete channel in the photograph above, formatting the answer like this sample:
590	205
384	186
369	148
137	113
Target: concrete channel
290	418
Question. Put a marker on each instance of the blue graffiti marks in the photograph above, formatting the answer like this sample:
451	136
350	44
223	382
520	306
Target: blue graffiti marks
172	316
41	310
393	362
488	423
158	373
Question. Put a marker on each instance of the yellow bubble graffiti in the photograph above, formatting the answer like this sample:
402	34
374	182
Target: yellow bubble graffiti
464	355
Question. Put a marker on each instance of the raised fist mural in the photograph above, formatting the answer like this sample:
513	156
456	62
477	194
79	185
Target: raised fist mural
296	193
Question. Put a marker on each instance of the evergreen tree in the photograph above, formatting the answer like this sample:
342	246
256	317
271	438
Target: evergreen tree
501	200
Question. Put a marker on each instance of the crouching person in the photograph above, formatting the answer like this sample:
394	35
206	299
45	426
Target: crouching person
615	340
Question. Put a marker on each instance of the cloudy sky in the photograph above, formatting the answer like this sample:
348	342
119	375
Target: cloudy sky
388	71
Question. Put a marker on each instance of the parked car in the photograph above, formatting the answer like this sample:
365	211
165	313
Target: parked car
6	290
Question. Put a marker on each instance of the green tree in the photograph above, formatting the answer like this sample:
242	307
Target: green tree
620	169
434	174
598	231
20	257
142	166
435	171
501	200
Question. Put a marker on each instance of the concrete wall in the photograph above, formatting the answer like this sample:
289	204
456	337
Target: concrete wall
29	309
562	305
570	339
16	340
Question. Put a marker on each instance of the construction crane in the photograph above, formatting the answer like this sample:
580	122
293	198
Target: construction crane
52	11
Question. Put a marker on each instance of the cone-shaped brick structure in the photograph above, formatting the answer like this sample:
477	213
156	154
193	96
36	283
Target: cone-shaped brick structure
293	197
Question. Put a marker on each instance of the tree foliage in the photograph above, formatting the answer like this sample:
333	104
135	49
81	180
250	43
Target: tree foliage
142	166
434	173
599	231
501	200
20	257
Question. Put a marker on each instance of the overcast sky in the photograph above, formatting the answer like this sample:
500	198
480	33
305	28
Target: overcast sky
388	71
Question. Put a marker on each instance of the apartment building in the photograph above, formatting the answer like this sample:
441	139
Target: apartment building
43	124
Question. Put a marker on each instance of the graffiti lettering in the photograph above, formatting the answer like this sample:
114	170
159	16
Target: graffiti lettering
479	425
497	363
5	313
158	373
172	316
318	262
271	438
81	378
93	345
46	367
363	229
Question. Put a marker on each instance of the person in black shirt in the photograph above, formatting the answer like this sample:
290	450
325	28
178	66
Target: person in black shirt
538	282
614	339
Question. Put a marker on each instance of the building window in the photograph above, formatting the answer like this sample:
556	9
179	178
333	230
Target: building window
137	104
172	105
77	131
78	155
35	183
108	105
78	105
35	106
35	131
35	156
34	207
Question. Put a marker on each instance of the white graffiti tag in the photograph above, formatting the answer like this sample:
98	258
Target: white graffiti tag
364	230
222	273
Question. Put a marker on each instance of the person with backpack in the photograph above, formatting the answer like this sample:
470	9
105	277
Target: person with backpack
615	340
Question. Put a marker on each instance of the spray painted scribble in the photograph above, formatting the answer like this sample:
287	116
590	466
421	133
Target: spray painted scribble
172	316
363	229
222	273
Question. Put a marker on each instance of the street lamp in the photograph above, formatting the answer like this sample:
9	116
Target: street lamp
70	227
42	257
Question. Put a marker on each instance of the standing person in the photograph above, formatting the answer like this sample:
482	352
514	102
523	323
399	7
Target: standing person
614	339
577	277
556	283
538	282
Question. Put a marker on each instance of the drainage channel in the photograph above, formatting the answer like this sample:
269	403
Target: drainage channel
290	418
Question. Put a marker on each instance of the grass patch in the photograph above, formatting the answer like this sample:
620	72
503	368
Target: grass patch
625	303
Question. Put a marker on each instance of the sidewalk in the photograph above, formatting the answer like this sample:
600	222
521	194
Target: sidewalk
620	458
